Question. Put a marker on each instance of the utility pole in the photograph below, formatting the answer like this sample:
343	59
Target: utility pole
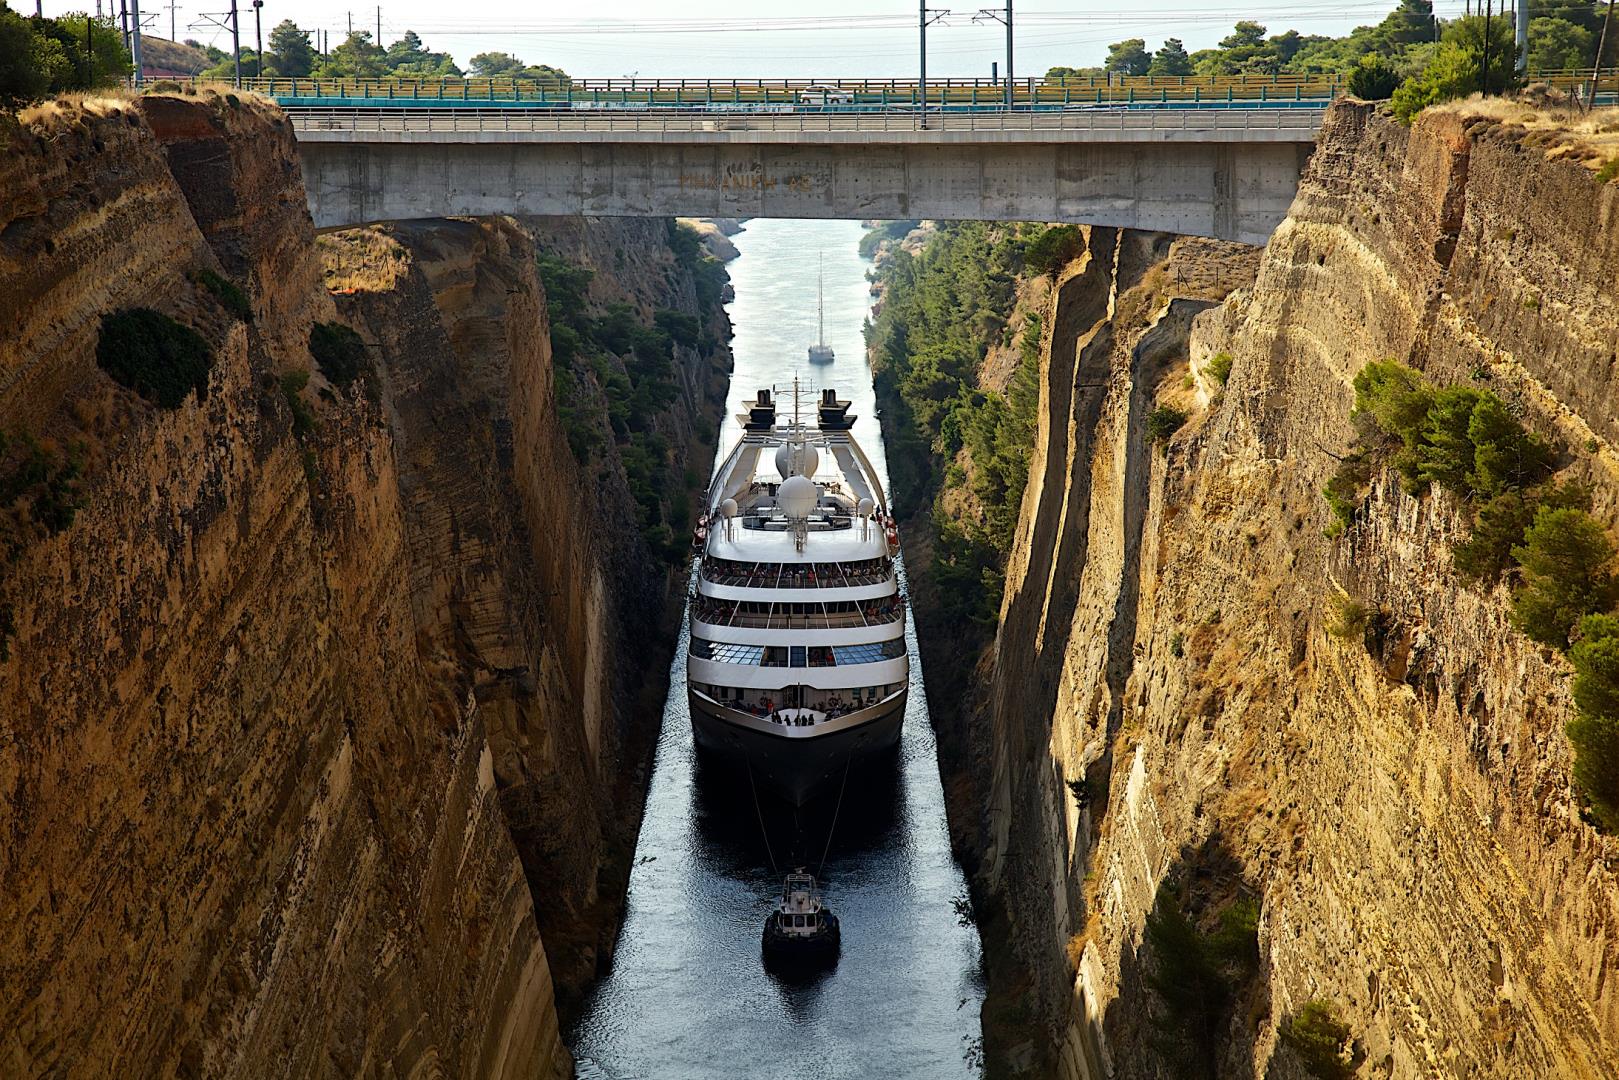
378	42
236	40
925	16
1484	66
1521	9
258	40
1596	67
135	38
173	6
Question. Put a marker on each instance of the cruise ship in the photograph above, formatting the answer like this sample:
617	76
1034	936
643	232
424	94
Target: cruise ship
797	666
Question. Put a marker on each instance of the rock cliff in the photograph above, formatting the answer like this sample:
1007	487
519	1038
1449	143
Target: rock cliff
319	742
1171	708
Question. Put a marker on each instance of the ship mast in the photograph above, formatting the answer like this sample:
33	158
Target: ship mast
820	300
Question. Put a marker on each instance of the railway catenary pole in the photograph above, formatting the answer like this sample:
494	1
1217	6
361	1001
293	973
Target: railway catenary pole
236	41
1008	54
258	39
135	38
922	77
1484	64
1521	38
1596	66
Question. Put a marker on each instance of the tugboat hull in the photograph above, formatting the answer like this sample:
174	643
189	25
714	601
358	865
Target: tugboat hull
795	763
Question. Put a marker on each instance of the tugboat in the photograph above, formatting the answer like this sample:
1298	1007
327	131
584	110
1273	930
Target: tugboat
801	930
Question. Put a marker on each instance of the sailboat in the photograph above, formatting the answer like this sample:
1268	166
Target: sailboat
821	352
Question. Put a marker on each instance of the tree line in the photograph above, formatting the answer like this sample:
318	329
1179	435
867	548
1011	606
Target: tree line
39	56
1411	56
292	55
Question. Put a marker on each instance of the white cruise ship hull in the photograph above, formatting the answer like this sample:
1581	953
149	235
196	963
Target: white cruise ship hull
795	763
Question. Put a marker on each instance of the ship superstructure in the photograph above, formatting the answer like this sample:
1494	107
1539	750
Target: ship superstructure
797	665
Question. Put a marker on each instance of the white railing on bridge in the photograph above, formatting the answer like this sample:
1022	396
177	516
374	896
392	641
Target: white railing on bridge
1302	123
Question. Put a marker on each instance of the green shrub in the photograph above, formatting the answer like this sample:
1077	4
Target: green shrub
1318	1036
1456	67
292	388
1566	557
1594	734
340	352
1374	78
1395	396
1187	979
683	329
1163	422
1351	617
1219	367
227	292
1053	248
1499	525
1345	490
1459	437
1609	171
161	360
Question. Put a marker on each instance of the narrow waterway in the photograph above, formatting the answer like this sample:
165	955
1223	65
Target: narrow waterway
688	996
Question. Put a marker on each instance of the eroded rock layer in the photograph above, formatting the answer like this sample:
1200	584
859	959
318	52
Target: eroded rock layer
318	712
1168	704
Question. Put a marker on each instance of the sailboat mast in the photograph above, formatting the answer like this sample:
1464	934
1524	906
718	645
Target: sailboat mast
820	301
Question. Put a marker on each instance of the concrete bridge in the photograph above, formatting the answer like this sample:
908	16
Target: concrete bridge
1222	172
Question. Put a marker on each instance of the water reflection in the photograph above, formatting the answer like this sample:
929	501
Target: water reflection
689	995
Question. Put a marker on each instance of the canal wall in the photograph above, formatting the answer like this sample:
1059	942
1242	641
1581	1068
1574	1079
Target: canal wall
323	716
1314	747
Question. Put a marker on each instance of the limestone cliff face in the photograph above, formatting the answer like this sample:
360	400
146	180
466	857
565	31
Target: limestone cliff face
528	577
316	713
1168	704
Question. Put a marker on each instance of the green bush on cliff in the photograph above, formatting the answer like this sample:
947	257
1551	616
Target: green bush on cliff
230	295
1594	734
1053	248
1499	526
1197	975
1374	78
340	352
160	359
943	309
1567	560
1317	1035
1458	437
1163	422
1457	68
1219	367
41	56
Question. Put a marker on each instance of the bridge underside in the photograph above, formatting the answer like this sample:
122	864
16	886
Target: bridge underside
1228	190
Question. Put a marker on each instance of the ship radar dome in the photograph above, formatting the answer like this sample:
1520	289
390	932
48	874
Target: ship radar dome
798	496
728	508
865	507
808	459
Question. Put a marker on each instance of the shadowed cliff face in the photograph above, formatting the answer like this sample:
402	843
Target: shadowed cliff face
318	700
529	580
1164	684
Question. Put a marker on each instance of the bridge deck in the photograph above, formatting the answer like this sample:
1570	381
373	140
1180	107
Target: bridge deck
1104	125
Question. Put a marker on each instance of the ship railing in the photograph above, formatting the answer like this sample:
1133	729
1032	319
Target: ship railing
714	616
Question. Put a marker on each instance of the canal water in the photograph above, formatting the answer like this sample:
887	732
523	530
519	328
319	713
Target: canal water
687	996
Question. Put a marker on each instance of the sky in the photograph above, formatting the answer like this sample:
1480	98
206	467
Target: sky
709	39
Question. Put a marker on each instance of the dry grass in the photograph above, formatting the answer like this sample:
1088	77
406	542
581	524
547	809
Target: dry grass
1591	138
361	260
